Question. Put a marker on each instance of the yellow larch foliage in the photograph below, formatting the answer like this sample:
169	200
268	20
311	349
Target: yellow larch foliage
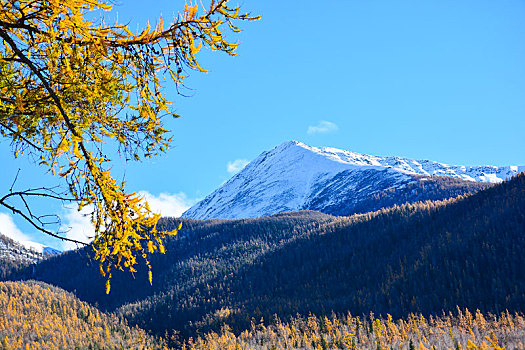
69	85
344	333
39	316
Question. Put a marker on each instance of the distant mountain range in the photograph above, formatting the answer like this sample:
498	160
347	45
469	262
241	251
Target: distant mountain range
14	250
295	176
15	254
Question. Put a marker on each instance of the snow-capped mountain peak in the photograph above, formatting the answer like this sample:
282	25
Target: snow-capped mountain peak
294	176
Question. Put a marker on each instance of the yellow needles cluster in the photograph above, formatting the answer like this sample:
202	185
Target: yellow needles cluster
69	85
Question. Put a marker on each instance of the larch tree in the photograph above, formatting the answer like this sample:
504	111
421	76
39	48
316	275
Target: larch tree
69	85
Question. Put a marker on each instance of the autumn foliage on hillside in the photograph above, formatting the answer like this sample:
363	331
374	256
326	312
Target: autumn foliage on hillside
34	315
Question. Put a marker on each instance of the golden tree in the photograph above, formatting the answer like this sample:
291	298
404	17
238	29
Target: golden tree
69	85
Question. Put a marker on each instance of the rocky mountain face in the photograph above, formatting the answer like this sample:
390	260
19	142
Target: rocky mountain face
295	176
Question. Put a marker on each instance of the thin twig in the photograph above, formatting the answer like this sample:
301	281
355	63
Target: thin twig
41	229
14	181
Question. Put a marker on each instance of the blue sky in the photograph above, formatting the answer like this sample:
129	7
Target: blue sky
434	79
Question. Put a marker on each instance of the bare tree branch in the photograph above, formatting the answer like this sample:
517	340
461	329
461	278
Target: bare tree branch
37	221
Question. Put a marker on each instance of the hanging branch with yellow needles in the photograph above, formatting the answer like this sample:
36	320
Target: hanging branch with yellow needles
68	86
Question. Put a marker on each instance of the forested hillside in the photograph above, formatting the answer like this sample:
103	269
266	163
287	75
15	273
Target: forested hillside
202	251
38	316
423	258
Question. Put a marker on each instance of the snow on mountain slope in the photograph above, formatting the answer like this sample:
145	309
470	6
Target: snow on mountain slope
11	250
40	248
24	252
295	176
490	174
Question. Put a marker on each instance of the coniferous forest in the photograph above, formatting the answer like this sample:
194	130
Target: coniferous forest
430	260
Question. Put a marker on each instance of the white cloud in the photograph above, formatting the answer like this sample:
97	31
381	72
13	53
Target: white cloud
168	204
77	225
237	165
8	228
322	127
